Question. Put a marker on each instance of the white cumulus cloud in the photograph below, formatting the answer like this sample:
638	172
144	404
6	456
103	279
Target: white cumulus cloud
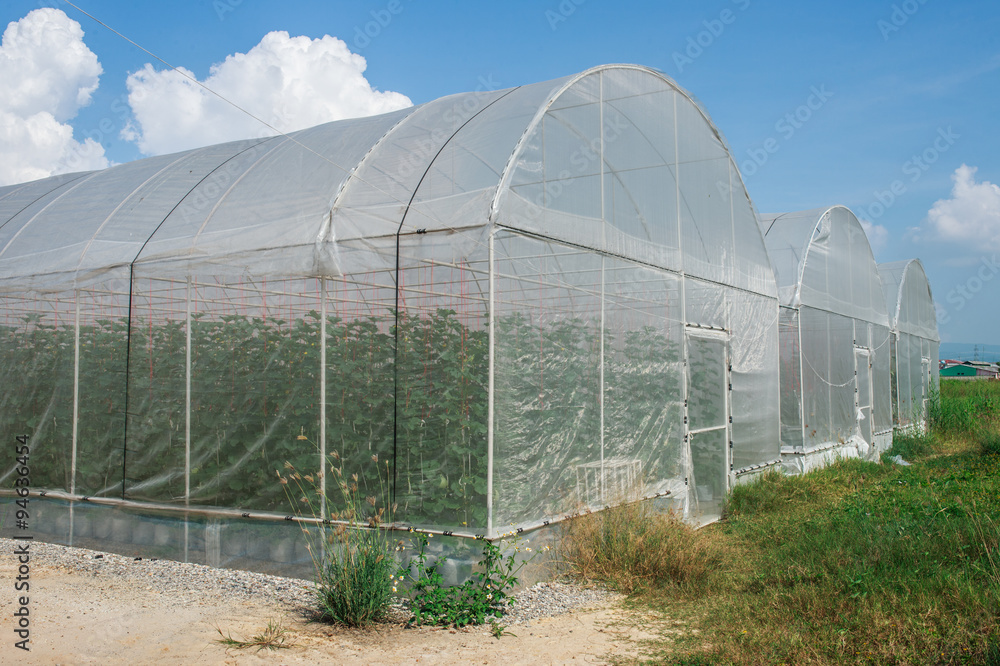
878	236
47	74
971	215
290	82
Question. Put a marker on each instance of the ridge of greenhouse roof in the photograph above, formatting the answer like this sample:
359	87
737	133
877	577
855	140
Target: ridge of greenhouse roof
304	197
897	276
793	238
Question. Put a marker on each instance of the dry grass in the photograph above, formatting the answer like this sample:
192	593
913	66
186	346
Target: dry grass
271	638
636	549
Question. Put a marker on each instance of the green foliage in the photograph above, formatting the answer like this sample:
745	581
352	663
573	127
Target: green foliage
354	583
961	405
970	410
476	600
988	438
859	563
353	559
911	446
37	400
410	386
498	630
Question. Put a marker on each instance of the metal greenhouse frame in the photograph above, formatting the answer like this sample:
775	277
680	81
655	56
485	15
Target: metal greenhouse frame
915	342
510	305
834	337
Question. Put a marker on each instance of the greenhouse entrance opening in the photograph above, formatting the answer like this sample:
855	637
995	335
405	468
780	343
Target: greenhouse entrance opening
863	390
708	422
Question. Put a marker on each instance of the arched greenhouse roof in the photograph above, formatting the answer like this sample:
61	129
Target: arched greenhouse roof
617	159
908	299
822	259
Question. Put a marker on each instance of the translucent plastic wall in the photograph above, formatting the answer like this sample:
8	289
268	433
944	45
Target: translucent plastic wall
498	308
834	334
915	341
624	162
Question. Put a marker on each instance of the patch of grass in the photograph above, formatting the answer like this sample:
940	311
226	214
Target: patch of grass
775	492
858	563
636	549
912	447
962	405
272	638
987	436
353	559
897	567
354	586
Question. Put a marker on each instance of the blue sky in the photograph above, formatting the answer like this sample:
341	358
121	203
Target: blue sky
875	105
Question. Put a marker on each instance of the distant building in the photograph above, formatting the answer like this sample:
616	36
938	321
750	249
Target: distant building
951	368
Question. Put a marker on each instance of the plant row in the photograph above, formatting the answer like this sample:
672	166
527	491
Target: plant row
413	393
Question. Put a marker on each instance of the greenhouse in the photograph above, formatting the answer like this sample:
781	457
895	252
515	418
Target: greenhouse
833	336
506	307
914	342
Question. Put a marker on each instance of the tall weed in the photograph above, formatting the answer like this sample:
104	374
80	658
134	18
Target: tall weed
353	559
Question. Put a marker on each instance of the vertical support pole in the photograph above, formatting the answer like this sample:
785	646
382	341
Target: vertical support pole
491	318
321	476
604	223
187	414
604	497
76	396
76	412
686	436
187	397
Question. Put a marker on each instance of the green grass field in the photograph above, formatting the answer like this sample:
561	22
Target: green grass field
858	563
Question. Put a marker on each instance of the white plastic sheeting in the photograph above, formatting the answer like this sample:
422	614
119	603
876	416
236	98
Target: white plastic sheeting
503	307
834	338
915	342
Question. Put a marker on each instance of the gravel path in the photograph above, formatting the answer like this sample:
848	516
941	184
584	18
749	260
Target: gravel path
187	583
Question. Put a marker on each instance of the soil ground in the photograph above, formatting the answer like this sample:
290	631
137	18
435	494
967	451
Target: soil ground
82	618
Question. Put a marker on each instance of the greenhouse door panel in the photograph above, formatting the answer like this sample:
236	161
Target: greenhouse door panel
863	391
708	422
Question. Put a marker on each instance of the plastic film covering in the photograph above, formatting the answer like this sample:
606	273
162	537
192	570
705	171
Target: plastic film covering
334	305
755	395
48	342
790	356
835	348
442	368
588	381
915	341
625	162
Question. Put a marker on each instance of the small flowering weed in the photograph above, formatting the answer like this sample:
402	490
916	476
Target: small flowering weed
481	598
